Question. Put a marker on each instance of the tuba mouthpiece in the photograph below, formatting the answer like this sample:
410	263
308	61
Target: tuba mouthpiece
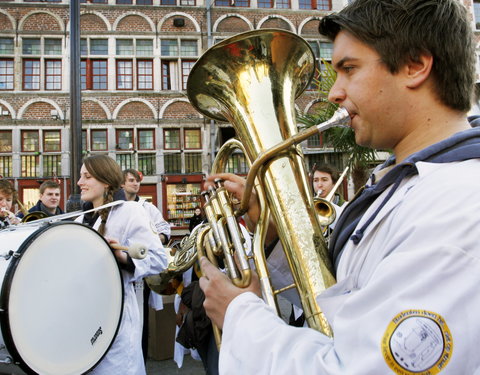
341	118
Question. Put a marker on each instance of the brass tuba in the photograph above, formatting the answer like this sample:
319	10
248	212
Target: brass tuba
252	80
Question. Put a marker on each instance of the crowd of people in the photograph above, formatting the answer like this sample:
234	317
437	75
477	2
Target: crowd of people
133	220
405	250
102	182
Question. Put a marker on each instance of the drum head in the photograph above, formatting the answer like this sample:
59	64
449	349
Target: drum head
63	299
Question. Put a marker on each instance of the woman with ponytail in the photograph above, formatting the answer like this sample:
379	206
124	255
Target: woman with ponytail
127	224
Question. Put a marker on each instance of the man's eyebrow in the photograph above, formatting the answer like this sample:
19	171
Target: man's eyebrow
342	62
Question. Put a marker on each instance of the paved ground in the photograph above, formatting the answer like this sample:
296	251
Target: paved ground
169	367
190	366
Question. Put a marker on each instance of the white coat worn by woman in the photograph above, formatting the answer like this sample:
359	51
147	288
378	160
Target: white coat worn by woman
128	224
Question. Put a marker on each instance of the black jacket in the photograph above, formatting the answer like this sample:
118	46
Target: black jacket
41	207
194	221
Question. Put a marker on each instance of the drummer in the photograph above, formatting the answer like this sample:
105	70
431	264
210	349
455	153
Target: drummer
100	180
8	195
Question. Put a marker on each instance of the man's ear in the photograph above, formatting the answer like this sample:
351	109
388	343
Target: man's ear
417	72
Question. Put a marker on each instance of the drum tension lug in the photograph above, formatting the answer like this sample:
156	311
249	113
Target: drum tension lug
8	255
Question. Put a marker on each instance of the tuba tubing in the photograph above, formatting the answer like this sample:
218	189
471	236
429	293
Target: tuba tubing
251	81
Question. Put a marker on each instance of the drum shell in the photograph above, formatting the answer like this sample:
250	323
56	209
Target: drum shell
61	297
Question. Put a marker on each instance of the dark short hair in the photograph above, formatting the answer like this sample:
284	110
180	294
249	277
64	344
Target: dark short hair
7	188
326	168
403	30
49	184
133	172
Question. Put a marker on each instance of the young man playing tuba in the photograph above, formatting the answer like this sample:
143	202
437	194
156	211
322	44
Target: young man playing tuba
407	258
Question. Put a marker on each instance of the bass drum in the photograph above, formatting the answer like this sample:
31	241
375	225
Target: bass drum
61	298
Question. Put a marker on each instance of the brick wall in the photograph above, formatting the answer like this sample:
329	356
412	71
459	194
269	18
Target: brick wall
134	23
233	25
41	22
135	110
179	110
38	111
92	22
5	24
92	111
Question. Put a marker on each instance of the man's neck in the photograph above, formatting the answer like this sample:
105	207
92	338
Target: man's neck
130	196
50	210
429	127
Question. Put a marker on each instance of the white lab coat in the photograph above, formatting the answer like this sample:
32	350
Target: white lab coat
156	217
128	224
161	227
408	293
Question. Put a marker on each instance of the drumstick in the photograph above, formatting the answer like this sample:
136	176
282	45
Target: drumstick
136	251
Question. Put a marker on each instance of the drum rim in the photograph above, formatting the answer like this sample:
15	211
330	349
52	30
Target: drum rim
5	296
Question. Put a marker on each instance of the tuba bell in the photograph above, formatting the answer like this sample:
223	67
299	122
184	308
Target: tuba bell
251	80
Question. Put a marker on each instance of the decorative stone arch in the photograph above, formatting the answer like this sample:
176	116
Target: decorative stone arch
296	108
108	113
99	15
12	20
304	23
127	101
169	103
137	14
229	15
186	15
312	104
276	16
54	104
7	105
25	18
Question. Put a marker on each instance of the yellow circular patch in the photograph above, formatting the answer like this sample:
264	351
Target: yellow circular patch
417	342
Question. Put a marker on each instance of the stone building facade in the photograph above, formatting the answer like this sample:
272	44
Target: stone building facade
135	59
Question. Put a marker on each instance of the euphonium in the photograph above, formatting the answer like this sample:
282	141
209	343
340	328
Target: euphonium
252	80
30	216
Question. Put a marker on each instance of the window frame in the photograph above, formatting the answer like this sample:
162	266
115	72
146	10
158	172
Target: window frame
232	3
8	52
117	137
118	75
12	75
23	132
46	83
92	138
150	130
174	66
189	159
140	75
10	132
90	76
44	138
165	139
187	130
38	75
476	13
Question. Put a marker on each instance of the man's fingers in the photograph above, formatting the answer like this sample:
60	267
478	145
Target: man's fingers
206	266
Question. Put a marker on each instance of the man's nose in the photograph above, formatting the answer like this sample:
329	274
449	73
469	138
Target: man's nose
337	94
